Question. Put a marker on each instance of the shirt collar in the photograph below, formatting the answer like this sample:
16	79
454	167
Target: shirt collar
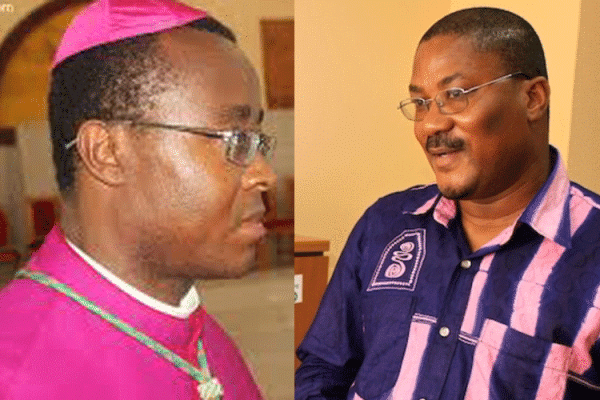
188	304
547	213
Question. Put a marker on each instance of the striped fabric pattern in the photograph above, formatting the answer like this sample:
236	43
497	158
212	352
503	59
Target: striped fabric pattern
519	318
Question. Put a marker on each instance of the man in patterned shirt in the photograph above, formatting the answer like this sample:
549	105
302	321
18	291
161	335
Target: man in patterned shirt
486	285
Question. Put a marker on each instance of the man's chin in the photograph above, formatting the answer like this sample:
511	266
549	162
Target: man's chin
240	272
243	266
455	192
225	269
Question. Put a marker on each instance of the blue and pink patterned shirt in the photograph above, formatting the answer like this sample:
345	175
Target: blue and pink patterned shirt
412	313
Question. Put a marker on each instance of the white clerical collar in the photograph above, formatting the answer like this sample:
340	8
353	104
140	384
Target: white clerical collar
188	304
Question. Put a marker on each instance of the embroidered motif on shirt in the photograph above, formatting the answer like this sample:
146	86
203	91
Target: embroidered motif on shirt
400	262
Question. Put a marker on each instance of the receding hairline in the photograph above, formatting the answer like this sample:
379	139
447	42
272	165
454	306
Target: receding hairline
187	50
496	30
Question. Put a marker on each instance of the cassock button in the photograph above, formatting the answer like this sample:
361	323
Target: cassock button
444	331
465	264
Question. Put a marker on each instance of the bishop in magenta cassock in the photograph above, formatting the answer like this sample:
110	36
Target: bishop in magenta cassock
51	347
162	166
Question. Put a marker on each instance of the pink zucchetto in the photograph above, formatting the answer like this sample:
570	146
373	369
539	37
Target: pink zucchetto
106	21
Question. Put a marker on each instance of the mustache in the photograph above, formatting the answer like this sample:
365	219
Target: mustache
445	141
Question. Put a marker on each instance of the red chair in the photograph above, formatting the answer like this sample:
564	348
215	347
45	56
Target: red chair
9	256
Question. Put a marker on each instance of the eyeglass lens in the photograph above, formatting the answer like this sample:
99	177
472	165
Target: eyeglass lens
450	101
242	146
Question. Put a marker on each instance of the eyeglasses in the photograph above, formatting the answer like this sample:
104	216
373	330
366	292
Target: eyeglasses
449	101
241	146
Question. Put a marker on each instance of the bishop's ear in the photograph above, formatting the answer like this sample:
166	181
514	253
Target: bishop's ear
100	147
538	97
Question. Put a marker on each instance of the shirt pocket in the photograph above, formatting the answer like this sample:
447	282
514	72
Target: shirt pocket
386	322
508	364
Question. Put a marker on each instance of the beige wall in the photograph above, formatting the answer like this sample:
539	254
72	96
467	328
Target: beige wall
584	152
354	60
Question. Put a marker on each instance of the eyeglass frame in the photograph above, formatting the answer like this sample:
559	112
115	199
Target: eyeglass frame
464	92
223	134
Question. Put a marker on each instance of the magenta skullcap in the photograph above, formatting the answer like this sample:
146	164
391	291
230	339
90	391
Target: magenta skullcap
106	21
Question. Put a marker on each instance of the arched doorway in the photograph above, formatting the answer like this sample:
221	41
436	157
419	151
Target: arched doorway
26	169
26	55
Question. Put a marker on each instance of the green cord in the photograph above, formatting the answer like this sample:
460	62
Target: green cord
209	387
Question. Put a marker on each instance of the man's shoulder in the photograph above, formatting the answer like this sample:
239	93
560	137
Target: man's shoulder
227	362
581	191
408	200
222	347
24	304
25	309
584	202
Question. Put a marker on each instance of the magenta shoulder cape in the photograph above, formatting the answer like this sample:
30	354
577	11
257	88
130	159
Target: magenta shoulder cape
53	348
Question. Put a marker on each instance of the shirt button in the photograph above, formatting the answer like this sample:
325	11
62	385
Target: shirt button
465	264
444	331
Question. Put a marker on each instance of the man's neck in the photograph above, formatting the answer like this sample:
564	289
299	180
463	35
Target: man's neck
167	290
113	257
483	220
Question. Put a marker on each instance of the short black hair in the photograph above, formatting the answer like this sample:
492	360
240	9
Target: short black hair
499	31
111	81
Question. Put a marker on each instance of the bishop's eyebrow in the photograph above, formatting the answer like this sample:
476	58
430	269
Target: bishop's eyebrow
441	84
241	113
